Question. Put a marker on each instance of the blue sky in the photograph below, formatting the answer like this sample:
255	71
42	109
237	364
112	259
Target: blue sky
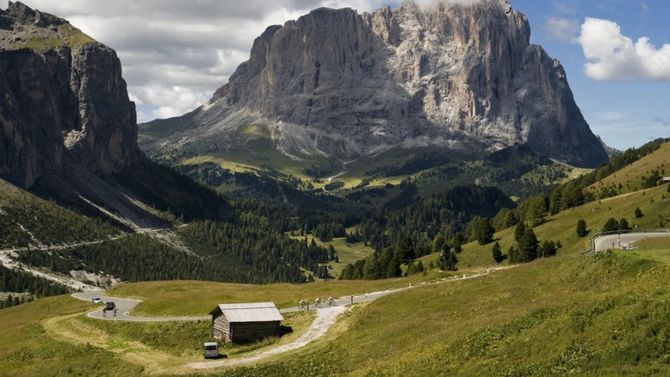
624	113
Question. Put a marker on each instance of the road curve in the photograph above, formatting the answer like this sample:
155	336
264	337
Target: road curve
125	306
624	240
326	316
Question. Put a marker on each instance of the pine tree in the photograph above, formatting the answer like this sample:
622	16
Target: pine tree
638	213
548	249
582	230
451	262
519	230
611	225
484	231
528	246
405	250
623	224
497	253
438	243
419	267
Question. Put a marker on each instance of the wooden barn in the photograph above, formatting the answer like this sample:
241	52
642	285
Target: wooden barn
240	323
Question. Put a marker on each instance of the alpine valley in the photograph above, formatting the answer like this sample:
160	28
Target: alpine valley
428	156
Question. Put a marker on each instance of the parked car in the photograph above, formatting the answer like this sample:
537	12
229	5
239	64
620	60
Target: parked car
96	300
211	350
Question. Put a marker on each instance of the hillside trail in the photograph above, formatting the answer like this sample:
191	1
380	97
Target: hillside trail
8	260
8	257
326	317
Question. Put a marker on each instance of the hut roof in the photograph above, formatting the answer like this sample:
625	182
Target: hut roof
250	312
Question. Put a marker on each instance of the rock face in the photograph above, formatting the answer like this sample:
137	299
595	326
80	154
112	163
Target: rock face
63	100
344	84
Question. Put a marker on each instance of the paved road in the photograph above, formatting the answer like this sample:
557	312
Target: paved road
326	316
125	307
616	241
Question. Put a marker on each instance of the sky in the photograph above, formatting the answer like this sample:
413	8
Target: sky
175	54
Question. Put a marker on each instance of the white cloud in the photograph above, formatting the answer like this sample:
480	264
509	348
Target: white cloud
614	56
176	53
563	29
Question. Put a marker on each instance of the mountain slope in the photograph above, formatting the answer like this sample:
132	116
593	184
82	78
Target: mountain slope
68	130
642	173
339	84
64	100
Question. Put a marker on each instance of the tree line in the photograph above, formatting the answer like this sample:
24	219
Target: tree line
19	281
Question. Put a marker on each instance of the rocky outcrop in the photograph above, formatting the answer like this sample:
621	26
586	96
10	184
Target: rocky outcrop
63	101
344	84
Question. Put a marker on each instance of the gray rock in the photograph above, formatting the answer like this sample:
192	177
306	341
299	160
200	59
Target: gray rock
343	84
61	103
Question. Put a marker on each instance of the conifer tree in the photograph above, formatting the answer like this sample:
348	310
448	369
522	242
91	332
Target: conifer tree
497	253
582	230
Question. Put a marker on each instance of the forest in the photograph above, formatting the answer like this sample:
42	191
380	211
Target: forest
24	285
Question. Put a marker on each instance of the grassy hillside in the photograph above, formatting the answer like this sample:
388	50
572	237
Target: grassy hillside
631	178
562	227
27	219
571	315
346	252
27	350
199	297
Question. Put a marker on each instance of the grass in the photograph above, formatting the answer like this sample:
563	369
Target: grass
629	179
653	244
346	252
27	350
198	297
27	219
561	227
64	35
51	337
223	163
567	315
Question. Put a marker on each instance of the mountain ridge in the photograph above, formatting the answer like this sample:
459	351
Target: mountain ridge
340	84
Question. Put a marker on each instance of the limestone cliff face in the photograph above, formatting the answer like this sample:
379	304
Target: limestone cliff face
62	101
344	84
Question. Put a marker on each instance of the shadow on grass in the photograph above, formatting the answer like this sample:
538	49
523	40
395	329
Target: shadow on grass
284	330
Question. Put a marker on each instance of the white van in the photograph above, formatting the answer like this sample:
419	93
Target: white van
211	350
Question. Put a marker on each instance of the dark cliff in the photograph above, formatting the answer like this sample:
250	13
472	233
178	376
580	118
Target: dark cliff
63	100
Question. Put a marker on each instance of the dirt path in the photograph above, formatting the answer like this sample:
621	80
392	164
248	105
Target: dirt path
8	260
326	317
70	329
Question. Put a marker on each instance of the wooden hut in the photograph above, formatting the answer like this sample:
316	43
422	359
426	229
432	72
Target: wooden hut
240	323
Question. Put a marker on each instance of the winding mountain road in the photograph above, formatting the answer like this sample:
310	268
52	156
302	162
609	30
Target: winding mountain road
326	316
624	240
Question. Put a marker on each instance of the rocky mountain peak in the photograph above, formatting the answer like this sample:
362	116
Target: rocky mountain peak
454	74
24	15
